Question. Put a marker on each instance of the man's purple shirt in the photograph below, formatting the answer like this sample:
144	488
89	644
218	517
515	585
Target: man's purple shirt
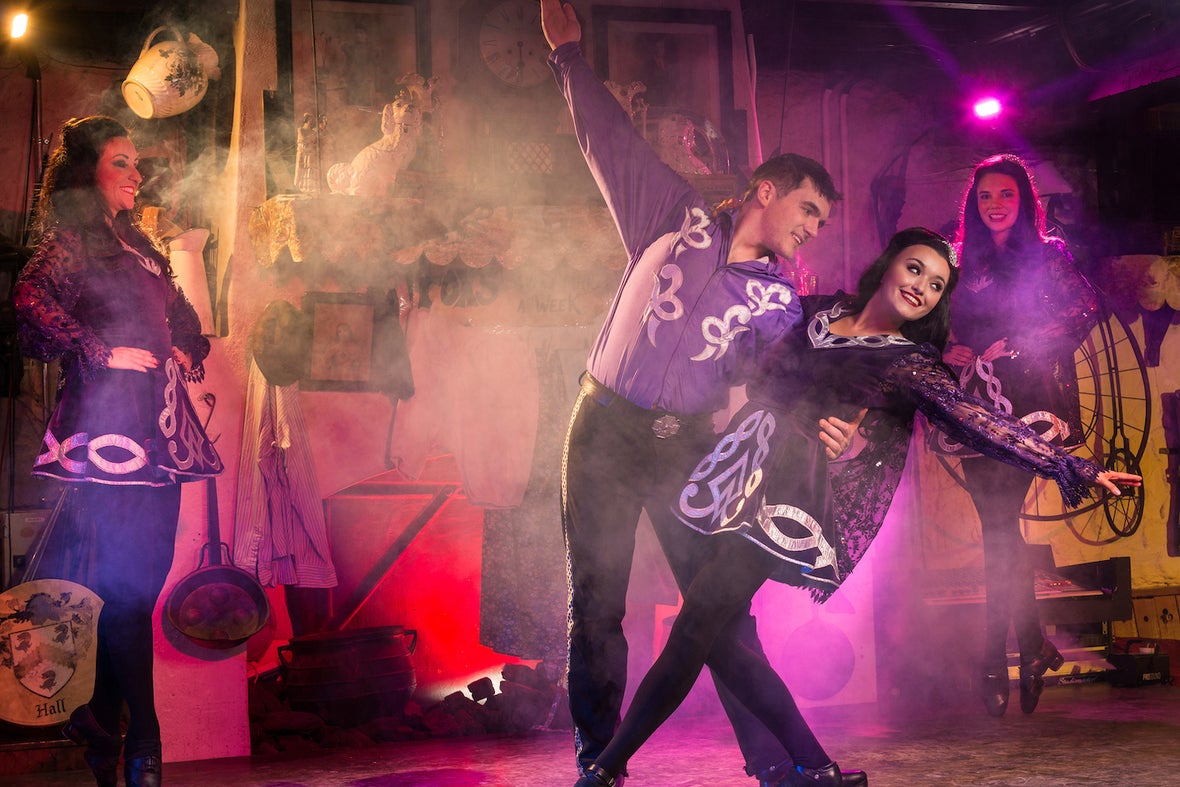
684	326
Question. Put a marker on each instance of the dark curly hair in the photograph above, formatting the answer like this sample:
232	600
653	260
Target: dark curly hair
935	327
69	192
69	197
974	238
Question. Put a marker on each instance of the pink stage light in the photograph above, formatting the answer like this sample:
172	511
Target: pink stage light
987	108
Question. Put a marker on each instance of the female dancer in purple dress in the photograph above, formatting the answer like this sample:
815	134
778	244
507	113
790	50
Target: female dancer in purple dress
98	294
1020	315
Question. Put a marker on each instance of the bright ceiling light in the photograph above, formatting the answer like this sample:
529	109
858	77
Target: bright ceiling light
987	108
20	25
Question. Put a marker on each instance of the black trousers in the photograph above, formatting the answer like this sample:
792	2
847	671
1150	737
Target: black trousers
135	532
709	630
998	491
614	467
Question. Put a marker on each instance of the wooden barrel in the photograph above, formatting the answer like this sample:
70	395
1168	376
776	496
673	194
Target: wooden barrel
350	677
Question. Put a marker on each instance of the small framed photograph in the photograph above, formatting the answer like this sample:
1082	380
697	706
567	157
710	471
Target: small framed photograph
338	67
341	341
683	57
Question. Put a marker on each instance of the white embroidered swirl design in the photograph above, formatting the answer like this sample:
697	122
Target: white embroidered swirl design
793	545
821	337
150	265
59	452
1055	426
1047	425
167	418
694	231
995	389
186	443
730	474
665	305
147	263
719	332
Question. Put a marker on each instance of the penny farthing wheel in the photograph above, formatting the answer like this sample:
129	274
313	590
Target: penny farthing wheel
1116	411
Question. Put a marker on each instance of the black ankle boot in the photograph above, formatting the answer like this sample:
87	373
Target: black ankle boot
143	763
993	690
102	748
597	777
775	775
828	776
143	771
1032	670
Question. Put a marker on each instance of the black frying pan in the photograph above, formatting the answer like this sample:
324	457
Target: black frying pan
218	605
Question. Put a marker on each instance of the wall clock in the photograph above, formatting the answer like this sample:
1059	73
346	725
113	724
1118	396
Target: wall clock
512	45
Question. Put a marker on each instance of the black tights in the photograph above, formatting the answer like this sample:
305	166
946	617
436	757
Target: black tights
998	491
135	531
706	628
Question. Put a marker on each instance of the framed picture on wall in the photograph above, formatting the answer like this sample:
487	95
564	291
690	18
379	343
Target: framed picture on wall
683	56
339	62
360	51
341	341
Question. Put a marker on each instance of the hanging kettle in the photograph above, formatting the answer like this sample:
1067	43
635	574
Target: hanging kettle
169	77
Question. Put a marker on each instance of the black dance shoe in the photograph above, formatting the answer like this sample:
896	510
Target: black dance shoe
143	771
828	776
102	748
993	689
1032	671
775	775
597	777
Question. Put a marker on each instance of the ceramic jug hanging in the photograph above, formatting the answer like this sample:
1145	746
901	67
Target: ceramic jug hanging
169	77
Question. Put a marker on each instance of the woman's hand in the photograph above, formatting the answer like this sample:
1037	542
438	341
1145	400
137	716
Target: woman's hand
560	23
183	360
999	349
133	359
958	355
1110	481
836	435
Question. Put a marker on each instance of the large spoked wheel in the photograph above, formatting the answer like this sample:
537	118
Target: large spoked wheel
1116	412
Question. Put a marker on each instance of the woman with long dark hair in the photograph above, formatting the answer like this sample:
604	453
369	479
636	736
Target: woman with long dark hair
1021	313
98	294
766	503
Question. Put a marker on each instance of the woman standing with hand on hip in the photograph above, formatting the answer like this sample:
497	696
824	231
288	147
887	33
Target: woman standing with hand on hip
1021	312
99	295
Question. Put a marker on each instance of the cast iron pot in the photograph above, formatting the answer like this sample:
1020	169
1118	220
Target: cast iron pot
218	605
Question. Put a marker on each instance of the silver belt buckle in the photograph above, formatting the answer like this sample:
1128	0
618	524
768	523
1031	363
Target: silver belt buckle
666	425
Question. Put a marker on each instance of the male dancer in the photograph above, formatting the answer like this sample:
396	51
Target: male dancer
702	294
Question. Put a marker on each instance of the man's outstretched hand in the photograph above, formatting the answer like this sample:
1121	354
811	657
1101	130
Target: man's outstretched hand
560	23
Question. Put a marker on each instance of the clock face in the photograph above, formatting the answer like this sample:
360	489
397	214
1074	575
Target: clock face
512	45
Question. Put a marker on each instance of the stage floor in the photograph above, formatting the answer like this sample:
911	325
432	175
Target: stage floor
1081	735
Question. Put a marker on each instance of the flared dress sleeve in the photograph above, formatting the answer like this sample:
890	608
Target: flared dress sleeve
930	387
44	296
1068	307
185	327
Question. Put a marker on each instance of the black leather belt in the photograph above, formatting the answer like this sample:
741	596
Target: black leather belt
663	423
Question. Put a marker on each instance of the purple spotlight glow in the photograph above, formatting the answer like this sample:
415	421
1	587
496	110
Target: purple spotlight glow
987	108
